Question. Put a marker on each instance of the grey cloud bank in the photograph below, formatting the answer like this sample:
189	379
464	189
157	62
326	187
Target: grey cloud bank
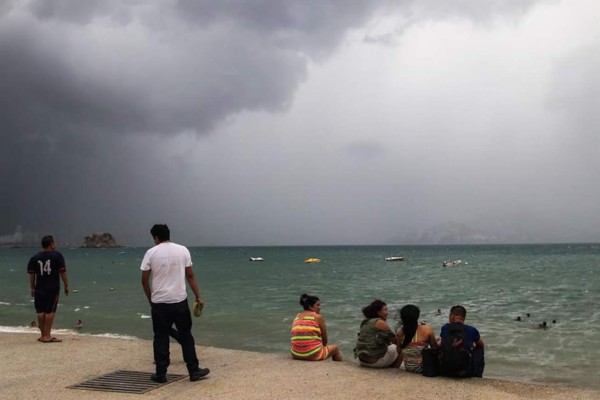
292	123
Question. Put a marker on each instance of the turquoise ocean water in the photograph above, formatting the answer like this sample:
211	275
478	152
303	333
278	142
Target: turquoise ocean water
250	305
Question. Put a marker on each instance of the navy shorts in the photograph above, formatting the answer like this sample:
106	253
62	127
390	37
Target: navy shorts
46	301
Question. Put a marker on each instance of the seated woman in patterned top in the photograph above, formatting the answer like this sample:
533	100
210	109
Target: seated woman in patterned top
309	333
413	337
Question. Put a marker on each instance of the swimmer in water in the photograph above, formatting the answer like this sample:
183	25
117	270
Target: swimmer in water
543	325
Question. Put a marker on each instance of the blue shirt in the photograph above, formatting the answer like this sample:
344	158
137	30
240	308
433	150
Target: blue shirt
471	332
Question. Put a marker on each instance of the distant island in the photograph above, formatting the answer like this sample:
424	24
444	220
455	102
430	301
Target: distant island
99	240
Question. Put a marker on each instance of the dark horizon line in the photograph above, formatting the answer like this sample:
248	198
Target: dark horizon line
12	246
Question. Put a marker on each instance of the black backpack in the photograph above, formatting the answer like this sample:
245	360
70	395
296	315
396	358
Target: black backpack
455	357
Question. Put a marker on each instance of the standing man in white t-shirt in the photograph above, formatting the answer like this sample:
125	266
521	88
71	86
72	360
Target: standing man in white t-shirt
165	269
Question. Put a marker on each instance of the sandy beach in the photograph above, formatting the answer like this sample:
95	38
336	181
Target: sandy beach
31	369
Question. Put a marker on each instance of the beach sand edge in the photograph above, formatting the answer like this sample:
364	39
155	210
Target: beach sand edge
31	369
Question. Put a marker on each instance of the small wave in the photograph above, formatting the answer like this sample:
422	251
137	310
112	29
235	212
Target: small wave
18	329
145	316
111	336
77	309
26	329
4	304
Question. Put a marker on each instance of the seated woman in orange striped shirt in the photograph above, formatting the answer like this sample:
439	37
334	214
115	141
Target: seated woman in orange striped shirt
309	333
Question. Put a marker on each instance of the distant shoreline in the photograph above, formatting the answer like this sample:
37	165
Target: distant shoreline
68	246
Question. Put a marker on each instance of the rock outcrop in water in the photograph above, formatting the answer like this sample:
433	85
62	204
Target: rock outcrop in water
99	240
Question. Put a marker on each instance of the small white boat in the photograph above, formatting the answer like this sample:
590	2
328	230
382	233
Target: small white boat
257	259
394	258
452	263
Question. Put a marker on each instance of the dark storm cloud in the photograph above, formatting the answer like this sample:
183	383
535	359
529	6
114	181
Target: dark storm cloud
180	66
82	12
77	76
120	68
312	28
93	94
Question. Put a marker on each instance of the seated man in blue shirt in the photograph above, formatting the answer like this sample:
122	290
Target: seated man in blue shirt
457	335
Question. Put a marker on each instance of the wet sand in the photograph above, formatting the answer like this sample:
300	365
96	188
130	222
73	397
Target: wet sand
30	369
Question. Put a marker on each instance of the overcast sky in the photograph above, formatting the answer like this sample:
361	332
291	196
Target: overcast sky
301	122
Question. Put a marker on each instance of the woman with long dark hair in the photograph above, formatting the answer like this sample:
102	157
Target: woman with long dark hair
376	343
309	333
413	337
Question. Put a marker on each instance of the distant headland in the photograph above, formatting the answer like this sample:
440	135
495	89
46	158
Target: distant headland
99	240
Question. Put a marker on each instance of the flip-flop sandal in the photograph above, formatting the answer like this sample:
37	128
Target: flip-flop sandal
197	309
52	340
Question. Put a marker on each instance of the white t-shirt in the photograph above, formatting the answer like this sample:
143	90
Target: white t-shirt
167	261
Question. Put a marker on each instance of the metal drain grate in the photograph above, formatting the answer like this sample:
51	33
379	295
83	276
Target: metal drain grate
124	382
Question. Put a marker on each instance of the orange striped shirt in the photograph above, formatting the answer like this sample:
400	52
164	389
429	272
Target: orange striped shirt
306	336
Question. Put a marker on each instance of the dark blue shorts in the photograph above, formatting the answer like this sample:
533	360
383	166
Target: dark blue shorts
46	301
